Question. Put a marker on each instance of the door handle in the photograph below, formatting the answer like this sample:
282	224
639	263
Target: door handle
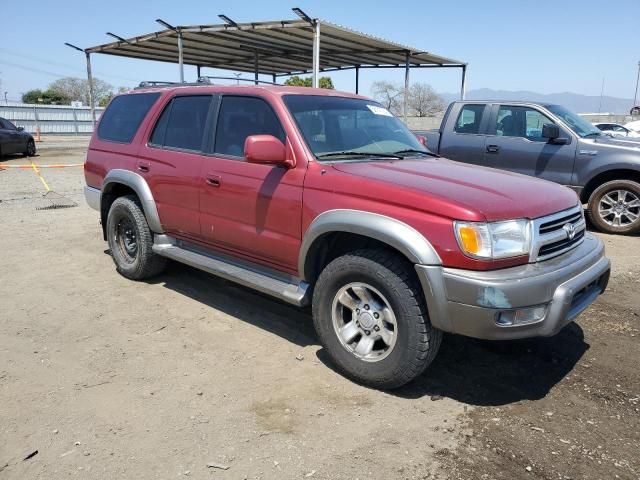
213	180
143	168
493	148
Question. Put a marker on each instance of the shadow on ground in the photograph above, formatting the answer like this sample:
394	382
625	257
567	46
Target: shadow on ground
471	371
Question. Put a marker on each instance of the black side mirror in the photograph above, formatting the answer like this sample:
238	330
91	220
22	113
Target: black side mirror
550	131
20	129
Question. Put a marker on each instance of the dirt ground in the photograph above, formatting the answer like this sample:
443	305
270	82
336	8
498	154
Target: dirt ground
105	378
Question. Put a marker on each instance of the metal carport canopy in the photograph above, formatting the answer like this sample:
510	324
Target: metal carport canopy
277	48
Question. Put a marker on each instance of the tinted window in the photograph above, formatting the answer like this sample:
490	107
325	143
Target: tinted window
120	122
241	117
6	124
182	123
520	122
469	119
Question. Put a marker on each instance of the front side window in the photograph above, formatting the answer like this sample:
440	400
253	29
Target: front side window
469	119
523	122
241	117
182	123
6	124
121	120
335	127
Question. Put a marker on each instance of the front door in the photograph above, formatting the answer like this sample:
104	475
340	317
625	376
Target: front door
515	143
250	209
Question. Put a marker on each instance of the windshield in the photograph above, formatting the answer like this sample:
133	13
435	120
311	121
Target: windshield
578	124
338	128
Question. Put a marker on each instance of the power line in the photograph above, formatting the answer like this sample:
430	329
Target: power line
58	64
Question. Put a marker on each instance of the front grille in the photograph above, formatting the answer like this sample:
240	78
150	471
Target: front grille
554	247
557	224
551	238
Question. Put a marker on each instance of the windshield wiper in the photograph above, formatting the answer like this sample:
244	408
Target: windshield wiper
592	133
413	150
349	153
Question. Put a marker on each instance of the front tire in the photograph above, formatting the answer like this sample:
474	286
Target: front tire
370	315
131	240
31	149
614	207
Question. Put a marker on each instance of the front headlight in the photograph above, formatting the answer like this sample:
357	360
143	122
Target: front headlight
494	240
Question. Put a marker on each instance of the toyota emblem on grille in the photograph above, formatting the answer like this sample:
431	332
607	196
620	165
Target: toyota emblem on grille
570	228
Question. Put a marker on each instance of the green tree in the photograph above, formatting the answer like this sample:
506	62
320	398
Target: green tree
296	81
47	97
32	96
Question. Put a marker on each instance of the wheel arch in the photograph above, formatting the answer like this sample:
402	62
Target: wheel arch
330	232
120	182
608	176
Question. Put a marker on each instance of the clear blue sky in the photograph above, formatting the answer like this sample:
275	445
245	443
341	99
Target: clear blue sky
544	46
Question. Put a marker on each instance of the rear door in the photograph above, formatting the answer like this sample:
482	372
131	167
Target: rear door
515	143
463	138
250	209
172	158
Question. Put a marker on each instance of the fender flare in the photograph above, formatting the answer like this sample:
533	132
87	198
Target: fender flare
404	238
139	185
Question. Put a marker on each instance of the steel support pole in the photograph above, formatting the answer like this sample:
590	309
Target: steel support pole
463	84
256	68
198	71
635	97
180	62
357	78
274	78
316	53
90	81
405	102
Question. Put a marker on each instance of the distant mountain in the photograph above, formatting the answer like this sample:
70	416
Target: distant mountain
573	101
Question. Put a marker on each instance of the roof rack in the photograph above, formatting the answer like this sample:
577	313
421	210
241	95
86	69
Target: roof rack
155	83
202	80
208	79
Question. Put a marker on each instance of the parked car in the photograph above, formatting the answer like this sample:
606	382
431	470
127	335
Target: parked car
552	143
635	110
324	198
15	140
634	126
616	130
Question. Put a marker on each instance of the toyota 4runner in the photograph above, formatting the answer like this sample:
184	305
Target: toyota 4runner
325	199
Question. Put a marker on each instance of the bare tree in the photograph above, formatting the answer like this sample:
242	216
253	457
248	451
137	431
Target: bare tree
77	89
424	101
388	94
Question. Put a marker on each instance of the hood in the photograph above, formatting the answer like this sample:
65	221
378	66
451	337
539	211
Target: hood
628	142
494	194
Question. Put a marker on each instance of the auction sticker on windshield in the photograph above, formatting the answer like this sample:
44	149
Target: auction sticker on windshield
379	110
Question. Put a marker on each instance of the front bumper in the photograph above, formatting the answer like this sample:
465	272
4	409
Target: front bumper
469	302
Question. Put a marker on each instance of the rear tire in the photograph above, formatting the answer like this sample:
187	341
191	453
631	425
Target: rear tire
614	207
404	342
131	240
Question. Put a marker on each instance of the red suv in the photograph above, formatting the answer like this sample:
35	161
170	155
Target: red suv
324	198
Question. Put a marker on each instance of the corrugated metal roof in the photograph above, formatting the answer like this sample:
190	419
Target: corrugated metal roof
282	47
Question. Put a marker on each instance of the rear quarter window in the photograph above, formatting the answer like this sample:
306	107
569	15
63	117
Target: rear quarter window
121	120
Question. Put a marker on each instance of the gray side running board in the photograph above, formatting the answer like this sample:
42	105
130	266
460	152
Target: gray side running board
284	287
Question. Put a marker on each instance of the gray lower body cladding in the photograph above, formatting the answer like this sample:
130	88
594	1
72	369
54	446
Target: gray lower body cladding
471	302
